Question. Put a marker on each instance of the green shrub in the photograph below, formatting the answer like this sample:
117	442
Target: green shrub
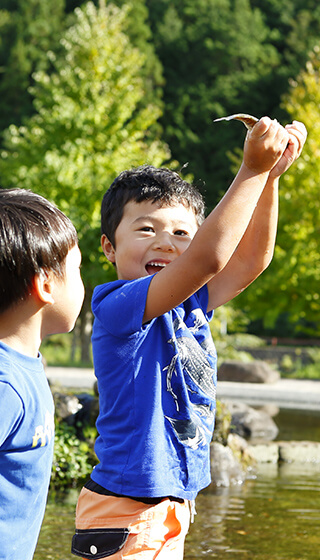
222	424
73	459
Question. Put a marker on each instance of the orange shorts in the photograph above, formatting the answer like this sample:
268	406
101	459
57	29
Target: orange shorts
119	528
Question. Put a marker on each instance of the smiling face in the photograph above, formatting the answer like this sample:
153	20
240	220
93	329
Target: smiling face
149	237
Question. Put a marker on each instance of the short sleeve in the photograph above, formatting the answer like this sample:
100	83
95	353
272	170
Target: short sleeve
119	307
11	411
203	298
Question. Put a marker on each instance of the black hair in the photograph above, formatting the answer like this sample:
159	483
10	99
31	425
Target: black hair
34	236
147	183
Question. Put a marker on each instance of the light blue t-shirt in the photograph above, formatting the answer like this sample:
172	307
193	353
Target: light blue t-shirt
26	449
157	387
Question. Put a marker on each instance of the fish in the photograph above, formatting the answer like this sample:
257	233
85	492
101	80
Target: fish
248	120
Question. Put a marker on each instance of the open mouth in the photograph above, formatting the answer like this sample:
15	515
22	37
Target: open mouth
155	266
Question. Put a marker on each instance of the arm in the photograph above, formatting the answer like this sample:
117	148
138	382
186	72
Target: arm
255	250
217	239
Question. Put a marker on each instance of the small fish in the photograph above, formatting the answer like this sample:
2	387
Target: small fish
248	120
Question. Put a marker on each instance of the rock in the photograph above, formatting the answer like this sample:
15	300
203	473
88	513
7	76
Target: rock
290	452
66	407
251	372
271	409
89	411
250	423
264	452
299	451
76	410
226	470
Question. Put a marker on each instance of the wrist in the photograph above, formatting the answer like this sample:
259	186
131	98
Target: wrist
248	172
273	181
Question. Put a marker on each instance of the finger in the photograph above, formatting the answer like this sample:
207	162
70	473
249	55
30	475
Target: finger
261	127
282	136
278	136
298	135
299	127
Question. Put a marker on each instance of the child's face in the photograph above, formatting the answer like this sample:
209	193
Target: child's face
68	295
149	237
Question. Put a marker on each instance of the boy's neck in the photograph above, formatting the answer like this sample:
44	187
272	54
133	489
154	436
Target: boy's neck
21	330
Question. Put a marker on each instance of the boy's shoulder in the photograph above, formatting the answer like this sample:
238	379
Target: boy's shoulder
123	289
119	305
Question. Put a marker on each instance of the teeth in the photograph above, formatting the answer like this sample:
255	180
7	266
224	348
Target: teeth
155	263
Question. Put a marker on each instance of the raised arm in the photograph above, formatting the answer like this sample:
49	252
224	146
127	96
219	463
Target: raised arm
255	250
217	239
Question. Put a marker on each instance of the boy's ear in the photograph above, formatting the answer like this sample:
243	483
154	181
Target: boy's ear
43	285
108	249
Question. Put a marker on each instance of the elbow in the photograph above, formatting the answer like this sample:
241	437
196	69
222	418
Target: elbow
215	264
267	259
262	263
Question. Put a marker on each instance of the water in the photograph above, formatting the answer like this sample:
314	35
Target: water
298	425
270	518
274	516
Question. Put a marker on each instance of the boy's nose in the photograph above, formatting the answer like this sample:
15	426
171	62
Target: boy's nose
164	242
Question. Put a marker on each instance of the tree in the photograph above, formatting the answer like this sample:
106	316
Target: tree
221	57
90	123
291	285
28	29
210	69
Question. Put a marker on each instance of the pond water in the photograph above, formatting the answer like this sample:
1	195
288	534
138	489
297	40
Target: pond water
273	516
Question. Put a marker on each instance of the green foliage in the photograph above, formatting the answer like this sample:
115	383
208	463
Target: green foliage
64	350
222	423
293	367
227	319
291	285
211	69
73	459
91	123
221	57
28	29
136	26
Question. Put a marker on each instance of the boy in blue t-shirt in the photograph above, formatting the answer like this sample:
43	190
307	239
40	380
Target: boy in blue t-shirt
41	293
153	354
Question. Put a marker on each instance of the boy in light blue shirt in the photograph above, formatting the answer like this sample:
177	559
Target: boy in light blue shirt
41	293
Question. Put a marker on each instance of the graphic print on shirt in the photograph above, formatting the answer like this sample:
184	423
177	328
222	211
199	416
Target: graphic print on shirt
198	371
44	433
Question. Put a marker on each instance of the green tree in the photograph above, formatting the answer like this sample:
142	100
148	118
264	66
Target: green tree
221	57
91	122
28	29
138	29
216	57
291	285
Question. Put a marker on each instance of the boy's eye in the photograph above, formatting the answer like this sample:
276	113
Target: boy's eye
146	228
181	232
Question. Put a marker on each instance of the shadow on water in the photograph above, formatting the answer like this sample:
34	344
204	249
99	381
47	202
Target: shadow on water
273	516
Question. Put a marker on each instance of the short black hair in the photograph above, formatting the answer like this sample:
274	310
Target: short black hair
34	236
146	182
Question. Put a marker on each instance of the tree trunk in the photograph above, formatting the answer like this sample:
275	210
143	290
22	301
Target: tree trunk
86	328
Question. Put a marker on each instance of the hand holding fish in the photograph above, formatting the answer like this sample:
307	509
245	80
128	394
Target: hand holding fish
276	145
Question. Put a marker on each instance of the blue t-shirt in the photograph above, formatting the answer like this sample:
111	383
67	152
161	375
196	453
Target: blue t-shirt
157	387
26	448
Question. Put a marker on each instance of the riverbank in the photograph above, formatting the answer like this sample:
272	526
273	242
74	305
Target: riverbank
285	393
